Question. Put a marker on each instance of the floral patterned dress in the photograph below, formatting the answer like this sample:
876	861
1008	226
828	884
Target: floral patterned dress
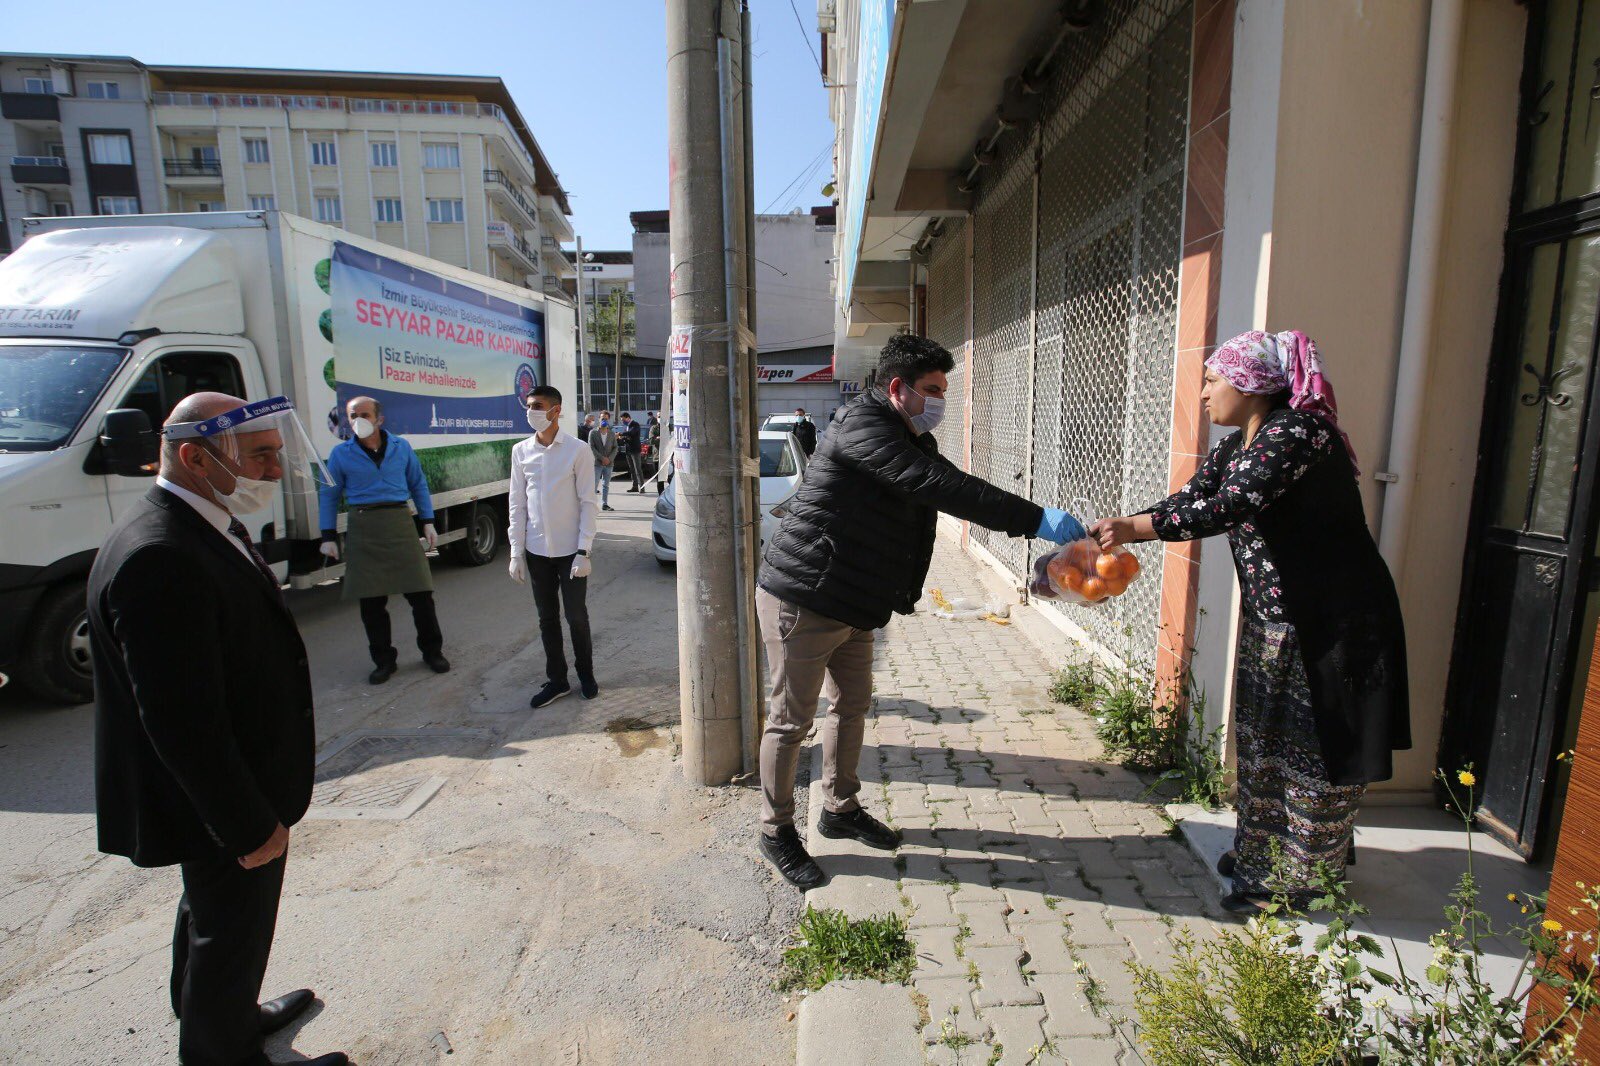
1286	803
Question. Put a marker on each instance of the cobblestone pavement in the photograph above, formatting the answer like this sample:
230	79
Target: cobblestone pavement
1032	869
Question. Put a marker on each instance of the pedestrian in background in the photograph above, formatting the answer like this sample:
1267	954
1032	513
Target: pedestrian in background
585	429
631	438
655	452
1320	691
854	550
805	431
603	446
204	738
376	473
552	531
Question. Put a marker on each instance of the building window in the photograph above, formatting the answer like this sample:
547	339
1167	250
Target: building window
385	154
441	156
205	155
387	209
255	150
446	211
324	154
329	209
117	205
60	210
263	203
210	205
110	148
104	90
37	86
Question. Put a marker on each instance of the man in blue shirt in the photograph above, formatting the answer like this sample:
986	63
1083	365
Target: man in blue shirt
377	473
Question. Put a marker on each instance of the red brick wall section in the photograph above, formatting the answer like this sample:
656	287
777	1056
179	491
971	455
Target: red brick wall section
1199	281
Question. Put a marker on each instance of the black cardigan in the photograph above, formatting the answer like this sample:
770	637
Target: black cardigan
1340	597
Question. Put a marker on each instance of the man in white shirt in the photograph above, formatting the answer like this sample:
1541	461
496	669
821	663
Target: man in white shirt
553	516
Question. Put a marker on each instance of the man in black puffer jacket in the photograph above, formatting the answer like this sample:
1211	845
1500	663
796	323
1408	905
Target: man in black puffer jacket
853	550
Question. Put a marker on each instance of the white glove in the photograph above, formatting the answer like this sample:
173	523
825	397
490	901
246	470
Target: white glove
519	566
330	548
581	566
430	535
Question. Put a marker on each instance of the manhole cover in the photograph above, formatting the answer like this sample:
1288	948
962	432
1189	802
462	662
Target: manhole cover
387	774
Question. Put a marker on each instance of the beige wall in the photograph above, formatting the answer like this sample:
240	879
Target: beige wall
1332	261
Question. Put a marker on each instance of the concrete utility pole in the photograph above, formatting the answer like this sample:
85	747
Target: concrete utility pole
586	402
616	342
717	660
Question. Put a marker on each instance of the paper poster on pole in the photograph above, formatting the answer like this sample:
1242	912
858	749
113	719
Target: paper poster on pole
679	345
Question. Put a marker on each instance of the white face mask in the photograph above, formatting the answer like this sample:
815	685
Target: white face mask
248	494
362	427
932	414
538	421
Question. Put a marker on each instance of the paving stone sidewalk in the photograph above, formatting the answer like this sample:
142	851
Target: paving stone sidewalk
1032	869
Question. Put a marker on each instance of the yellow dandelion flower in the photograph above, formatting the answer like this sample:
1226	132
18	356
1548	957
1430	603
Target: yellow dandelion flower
1551	925
1511	896
1467	777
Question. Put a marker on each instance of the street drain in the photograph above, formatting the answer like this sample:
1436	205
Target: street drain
387	774
635	736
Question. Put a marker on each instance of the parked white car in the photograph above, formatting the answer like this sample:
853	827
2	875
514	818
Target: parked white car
783	463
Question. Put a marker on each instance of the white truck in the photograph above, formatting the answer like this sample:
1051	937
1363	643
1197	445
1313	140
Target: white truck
123	316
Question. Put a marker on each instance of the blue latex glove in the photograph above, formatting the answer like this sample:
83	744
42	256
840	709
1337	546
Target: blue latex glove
1060	527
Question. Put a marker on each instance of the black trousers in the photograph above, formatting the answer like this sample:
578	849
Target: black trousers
636	469
555	587
375	617
226	918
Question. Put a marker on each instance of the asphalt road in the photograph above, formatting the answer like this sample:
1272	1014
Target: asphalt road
562	897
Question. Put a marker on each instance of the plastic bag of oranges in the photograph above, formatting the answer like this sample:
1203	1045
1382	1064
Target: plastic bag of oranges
1081	573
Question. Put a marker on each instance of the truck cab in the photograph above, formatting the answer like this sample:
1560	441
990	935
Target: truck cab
91	322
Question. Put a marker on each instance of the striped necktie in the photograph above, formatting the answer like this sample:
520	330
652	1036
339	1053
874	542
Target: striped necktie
236	527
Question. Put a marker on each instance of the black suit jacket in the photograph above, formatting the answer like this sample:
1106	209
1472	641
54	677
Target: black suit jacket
204	738
629	437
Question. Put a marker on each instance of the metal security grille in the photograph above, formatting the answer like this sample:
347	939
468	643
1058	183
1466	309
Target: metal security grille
947	324
1002	287
1071	390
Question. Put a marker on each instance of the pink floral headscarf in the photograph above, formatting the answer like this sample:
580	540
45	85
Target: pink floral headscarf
1261	364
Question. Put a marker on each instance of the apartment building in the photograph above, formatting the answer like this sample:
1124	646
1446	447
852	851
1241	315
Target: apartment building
610	317
443	165
76	138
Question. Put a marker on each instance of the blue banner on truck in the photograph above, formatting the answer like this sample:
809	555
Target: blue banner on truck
442	357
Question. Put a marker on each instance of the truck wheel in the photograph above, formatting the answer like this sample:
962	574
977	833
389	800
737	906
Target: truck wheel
55	663
482	541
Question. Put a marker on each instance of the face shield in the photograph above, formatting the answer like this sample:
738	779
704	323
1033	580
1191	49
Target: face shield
259	443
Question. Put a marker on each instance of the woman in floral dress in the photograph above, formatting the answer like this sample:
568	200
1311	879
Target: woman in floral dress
1320	697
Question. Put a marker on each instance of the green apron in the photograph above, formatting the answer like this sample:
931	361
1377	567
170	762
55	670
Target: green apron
383	555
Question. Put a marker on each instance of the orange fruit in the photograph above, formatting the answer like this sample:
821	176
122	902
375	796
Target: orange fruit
1082	554
1107	566
1093	590
1130	565
1058	567
1071	579
1116	586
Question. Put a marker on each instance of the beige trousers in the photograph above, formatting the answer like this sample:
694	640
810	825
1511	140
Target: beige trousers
804	650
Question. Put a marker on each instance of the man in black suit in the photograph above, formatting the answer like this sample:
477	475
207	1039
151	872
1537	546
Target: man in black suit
204	739
630	437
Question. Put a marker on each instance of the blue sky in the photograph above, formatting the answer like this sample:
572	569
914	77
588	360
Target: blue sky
589	76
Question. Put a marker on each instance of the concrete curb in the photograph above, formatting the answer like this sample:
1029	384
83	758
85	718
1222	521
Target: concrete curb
859	1023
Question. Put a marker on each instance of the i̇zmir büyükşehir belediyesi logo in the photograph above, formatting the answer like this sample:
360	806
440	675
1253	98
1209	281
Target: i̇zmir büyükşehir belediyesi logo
526	380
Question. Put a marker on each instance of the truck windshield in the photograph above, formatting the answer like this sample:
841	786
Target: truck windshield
45	390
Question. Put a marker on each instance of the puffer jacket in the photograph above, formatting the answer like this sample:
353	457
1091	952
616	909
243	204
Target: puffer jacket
858	537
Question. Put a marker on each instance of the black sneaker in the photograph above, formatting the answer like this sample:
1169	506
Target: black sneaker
607	507
552	691
437	663
380	674
588	687
791	858
858	825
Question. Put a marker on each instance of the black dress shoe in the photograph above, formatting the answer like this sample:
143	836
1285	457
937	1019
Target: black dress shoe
380	674
791	858
277	1013
589	687
552	691
858	825
437	663
607	507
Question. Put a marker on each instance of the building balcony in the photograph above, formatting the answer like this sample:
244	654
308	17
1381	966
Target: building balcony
39	170
30	107
505	241
503	191
202	171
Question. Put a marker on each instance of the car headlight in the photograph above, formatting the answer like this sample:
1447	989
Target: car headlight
664	509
